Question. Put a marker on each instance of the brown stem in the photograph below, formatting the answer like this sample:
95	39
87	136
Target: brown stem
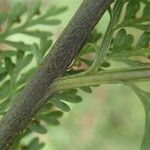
54	65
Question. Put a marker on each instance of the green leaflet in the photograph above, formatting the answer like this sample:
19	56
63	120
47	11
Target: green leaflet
18	45
37	127
38	33
50	118
69	96
15	13
105	64
124	50
34	144
122	41
50	22
94	36
55	11
144	40
46	108
35	10
132	9
61	105
86	89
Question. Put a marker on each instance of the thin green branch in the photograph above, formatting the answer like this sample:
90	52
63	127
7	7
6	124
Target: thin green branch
105	77
103	50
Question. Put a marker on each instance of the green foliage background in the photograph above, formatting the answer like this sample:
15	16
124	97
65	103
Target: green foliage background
111	117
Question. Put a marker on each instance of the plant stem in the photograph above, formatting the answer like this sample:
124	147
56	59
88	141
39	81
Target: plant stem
105	77
103	50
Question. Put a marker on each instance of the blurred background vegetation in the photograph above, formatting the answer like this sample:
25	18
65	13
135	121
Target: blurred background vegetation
111	118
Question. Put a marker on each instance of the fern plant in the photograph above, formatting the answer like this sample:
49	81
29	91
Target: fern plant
116	45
